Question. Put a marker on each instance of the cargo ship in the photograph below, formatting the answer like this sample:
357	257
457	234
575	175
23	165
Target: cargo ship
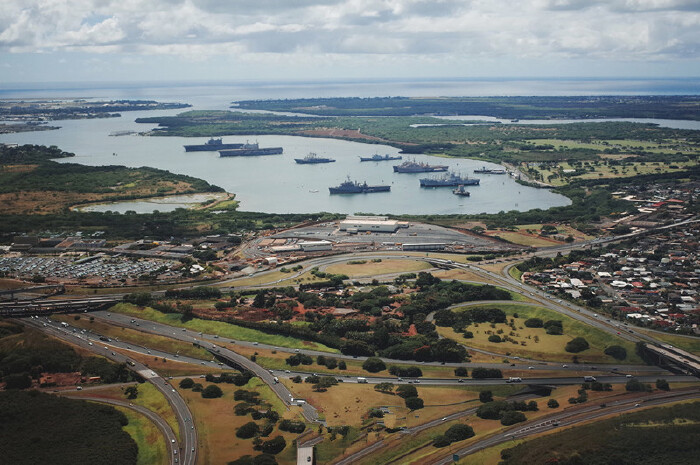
250	150
485	170
449	180
212	145
377	157
414	167
354	187
461	191
312	158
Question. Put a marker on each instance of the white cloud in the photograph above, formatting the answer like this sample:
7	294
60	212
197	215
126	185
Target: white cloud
460	30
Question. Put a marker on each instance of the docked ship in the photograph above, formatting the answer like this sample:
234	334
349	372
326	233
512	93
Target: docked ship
485	170
415	167
212	145
354	187
377	157
312	158
461	191
449	180
250	150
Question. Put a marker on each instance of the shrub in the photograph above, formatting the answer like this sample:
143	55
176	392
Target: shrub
511	417
461	372
468	335
554	327
408	372
441	441
495	338
636	386
485	396
534	323
662	384
552	403
292	426
616	352
342	365
459	432
374	365
187	383
406	391
212	391
576	345
481	373
248	430
414	403
274	446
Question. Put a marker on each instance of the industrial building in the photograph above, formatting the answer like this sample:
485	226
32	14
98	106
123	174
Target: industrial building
368	223
424	246
316	246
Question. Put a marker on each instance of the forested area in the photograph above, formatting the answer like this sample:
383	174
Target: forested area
41	428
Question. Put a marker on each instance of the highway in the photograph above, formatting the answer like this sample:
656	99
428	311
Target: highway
570	417
188	440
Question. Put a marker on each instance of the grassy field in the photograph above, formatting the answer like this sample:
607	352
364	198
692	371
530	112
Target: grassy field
346	404
524	239
148	438
135	337
216	424
222	329
607	171
168	367
370	268
274	277
622	144
449	275
549	347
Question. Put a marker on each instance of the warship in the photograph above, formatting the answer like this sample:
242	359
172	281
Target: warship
377	157
414	167
354	187
312	158
449	179
212	145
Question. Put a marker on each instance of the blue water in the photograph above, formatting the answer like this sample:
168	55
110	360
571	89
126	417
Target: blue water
276	184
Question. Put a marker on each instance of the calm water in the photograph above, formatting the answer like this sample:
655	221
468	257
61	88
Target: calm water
275	183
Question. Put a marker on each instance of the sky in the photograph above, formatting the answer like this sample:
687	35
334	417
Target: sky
156	40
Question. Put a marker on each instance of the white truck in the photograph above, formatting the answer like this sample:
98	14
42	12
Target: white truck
361	380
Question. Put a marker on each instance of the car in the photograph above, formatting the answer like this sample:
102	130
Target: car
637	405
287	371
565	366
173	441
460	380
271	371
216	336
628	376
90	343
530	368
444	418
255	343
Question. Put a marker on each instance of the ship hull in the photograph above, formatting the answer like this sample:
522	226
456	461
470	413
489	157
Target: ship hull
302	161
448	183
250	152
211	148
430	169
359	190
379	158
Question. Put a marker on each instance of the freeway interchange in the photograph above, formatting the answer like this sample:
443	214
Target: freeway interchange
223	351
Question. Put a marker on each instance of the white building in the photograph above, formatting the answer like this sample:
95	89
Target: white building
315	246
372	224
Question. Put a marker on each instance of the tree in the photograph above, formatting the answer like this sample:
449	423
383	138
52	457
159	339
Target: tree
662	384
616	352
461	372
576	345
511	417
342	365
374	365
131	392
459	432
212	391
495	338
18	381
406	391
385	388
248	430
481	373
637	386
414	403
274	446
485	396
534	323
441	441
552	403
187	383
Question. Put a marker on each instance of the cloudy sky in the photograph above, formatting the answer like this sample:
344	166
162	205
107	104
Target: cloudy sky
136	40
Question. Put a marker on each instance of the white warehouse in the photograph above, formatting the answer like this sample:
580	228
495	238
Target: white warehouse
315	246
363	224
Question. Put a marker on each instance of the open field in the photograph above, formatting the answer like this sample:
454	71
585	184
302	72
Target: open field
226	330
216	424
274	277
670	147
167	367
136	337
148	437
552	175
448	275
370	268
347	404
549	347
521	238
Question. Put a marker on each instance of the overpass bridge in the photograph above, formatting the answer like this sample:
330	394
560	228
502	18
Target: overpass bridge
47	307
58	289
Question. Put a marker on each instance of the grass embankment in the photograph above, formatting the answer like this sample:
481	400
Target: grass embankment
148	438
549	347
371	268
462	275
687	343
278	278
226	330
136	337
217	423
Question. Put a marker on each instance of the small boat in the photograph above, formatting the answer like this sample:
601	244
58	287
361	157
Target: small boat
461	191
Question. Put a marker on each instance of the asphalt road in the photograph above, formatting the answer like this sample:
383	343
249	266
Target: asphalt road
188	446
